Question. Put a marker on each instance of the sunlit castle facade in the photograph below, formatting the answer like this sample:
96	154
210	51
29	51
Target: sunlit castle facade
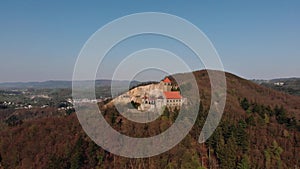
173	98
166	97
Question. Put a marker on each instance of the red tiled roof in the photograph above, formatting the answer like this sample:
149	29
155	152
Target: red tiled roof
167	80
172	95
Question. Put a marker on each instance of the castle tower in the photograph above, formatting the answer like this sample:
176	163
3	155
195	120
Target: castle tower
167	84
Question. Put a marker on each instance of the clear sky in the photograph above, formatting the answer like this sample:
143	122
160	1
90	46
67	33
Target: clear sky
40	40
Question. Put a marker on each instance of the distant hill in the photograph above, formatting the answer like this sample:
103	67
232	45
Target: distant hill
260	128
287	85
53	84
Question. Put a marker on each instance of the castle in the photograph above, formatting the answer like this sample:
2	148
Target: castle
163	95
153	97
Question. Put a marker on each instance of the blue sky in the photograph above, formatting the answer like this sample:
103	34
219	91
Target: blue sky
40	40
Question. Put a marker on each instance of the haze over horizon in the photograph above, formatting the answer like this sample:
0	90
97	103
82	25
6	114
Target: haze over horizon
40	41
157	78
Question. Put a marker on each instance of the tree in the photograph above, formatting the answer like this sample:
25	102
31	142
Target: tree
244	163
280	115
190	161
77	157
13	121
226	153
242	138
57	162
245	104
135	104
292	122
166	113
251	121
273	152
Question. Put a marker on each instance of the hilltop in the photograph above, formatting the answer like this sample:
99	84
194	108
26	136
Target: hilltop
287	85
260	128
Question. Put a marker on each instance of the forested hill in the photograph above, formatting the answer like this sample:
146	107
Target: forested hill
259	129
287	85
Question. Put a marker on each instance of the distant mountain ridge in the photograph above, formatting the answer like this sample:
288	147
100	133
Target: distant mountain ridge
53	84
